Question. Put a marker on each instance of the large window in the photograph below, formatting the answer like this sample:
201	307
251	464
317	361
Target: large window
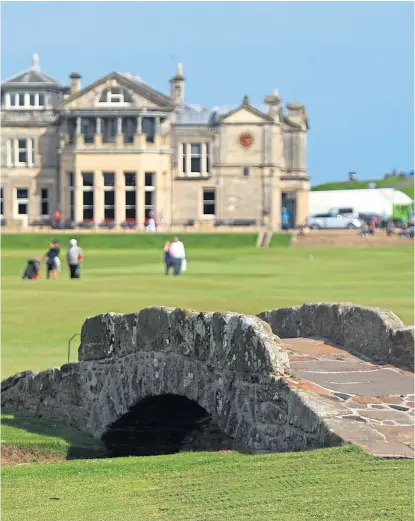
149	129
25	100
20	152
88	196
22	201
195	157
115	95
71	186
88	127
44	203
209	201
109	130
130	196
129	127
149	195
109	196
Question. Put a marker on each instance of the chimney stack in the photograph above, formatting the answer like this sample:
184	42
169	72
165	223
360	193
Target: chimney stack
177	86
75	82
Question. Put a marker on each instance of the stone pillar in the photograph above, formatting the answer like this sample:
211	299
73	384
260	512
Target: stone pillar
179	166
119	197
29	152
139	125
98	126
78	197
98	197
139	196
119	125
78	125
302	146
157	126
203	160
188	157
275	201
301	207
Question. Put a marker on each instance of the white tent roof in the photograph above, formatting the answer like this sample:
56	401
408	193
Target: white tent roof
375	200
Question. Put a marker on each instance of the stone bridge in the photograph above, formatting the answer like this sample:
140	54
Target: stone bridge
163	380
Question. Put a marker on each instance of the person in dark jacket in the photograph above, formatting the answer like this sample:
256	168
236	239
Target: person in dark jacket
168	259
52	260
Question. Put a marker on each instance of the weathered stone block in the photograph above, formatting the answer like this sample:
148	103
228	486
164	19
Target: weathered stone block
402	347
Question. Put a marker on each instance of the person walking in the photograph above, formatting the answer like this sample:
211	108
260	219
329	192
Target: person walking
285	218
74	258
52	260
168	259
178	254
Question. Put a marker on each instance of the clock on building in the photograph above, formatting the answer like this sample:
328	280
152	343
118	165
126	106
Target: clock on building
246	140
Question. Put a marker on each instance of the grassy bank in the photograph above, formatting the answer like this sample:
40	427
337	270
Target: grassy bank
27	439
324	485
133	241
404	184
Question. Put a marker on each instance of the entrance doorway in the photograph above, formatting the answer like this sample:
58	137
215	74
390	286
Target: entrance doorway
289	201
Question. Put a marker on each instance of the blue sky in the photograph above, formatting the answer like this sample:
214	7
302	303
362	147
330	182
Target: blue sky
351	63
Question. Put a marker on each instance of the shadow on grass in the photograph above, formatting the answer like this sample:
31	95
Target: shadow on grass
28	433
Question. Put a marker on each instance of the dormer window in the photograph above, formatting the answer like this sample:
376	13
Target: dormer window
25	100
115	95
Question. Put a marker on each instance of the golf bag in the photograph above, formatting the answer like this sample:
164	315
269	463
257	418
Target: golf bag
32	270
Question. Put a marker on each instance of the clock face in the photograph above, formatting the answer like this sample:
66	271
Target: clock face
246	140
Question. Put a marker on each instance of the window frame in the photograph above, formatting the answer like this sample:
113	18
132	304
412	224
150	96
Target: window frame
44	200
110	97
127	190
21	200
205	202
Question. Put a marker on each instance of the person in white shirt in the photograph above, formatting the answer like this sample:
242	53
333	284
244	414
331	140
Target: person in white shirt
178	255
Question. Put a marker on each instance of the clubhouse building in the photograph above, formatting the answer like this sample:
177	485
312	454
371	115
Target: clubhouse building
118	151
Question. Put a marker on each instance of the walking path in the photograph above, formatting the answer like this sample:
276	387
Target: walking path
371	405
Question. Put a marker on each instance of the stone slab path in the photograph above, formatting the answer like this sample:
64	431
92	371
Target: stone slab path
373	404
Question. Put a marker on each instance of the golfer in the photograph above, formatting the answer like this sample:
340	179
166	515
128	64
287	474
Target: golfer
74	258
178	256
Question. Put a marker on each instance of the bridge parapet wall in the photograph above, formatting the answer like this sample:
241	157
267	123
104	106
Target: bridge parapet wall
374	333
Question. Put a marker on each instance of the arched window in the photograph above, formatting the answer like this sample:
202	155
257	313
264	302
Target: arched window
115	95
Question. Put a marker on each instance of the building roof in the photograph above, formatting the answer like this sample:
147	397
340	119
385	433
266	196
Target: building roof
129	81
32	77
198	115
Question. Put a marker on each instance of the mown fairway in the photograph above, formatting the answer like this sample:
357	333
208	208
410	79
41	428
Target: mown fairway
38	317
339	484
125	274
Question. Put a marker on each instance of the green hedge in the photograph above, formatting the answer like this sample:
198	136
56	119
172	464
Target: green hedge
143	241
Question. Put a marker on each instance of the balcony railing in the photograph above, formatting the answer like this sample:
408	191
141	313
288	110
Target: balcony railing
120	141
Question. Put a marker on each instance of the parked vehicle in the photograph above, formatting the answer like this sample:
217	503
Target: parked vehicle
348	212
327	221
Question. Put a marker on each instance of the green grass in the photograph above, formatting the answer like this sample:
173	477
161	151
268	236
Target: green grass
404	184
33	439
39	317
134	241
125	274
326	485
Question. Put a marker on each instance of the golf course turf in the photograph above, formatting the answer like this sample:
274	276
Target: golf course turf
121	275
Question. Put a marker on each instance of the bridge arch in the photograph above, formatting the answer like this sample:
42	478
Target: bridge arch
164	424
230	365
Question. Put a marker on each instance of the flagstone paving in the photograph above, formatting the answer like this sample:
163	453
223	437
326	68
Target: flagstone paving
374	404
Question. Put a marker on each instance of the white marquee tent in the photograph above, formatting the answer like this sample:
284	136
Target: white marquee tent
374	200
